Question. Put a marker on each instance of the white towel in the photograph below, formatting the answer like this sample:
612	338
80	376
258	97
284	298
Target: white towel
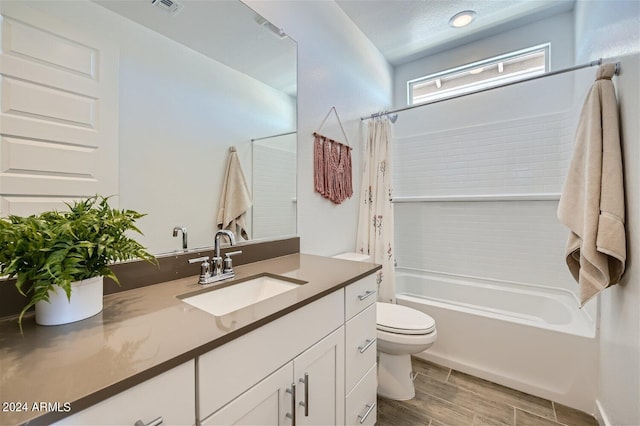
235	199
592	201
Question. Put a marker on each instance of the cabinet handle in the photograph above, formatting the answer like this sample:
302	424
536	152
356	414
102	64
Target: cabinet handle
305	403
156	422
363	417
366	294
367	343
292	414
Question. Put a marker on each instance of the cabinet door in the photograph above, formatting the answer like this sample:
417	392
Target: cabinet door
267	403
319	378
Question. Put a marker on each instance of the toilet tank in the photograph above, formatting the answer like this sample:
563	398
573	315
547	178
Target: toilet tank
358	257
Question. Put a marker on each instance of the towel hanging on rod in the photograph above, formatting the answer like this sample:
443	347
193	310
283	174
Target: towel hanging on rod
592	201
332	168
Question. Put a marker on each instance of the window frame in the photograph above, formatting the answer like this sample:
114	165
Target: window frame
480	85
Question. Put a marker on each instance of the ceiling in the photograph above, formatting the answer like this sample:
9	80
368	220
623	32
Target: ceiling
405	30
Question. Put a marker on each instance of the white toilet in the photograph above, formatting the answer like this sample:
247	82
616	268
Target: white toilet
401	332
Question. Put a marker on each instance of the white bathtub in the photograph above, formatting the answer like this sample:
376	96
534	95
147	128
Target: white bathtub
530	338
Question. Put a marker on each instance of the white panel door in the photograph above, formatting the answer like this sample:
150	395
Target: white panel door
58	111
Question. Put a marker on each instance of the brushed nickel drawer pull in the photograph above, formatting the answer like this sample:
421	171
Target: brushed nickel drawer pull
366	294
292	415
305	403
156	422
362	418
367	343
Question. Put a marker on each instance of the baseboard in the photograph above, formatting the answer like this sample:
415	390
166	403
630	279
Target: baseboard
601	415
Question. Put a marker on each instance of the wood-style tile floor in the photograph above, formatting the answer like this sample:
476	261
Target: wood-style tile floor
449	397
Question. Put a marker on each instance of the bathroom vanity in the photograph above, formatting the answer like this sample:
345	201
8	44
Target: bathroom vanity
304	357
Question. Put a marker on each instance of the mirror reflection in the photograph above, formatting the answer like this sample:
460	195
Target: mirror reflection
274	185
191	85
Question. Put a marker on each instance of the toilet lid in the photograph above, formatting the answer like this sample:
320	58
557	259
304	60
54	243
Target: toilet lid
403	320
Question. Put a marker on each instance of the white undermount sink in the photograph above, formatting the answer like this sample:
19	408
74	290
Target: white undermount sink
224	300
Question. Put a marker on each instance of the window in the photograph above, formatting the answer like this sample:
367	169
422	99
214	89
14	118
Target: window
480	75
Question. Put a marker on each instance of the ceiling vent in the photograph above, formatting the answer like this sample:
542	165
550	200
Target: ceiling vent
169	6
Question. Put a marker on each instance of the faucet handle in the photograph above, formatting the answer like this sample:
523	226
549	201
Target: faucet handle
205	268
228	267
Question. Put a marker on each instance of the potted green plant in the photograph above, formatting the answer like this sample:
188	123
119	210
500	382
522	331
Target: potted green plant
57	253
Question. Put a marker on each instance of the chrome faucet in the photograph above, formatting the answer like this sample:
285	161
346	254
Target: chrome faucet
215	271
184	235
217	261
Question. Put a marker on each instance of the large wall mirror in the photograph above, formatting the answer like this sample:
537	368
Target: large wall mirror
194	79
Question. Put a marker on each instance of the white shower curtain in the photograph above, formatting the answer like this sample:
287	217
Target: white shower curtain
375	224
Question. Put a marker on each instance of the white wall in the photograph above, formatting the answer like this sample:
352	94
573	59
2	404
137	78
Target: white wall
611	29
558	30
337	66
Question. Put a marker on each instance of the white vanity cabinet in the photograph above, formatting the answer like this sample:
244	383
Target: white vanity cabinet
330	363
316	364
168	397
237	383
316	378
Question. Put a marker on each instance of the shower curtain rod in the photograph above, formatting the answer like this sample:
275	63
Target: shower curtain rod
272	136
548	74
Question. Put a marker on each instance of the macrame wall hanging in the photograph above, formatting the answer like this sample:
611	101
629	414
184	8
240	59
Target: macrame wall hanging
332	165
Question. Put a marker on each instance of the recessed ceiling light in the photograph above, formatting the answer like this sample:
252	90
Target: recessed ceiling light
462	19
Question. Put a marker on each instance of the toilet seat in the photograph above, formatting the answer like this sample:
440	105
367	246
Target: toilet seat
398	319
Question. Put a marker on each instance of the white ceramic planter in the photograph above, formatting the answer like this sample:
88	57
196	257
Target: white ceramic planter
86	301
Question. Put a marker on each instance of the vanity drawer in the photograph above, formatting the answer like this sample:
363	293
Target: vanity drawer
359	295
361	404
360	345
169	396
